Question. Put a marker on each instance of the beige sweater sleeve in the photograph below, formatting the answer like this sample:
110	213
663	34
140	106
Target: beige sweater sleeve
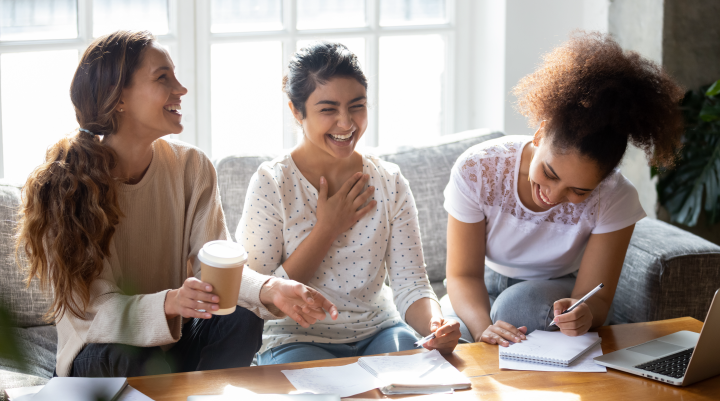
208	224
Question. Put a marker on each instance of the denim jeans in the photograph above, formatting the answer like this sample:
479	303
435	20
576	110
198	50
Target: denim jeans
518	302
220	342
396	338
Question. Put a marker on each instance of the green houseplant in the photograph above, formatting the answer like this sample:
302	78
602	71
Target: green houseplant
694	184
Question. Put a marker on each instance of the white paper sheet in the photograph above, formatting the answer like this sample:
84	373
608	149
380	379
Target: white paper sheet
584	363
129	394
341	380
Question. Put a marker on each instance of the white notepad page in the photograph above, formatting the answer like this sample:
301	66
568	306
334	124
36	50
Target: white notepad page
552	347
423	369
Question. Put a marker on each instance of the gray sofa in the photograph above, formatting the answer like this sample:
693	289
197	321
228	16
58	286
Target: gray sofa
667	273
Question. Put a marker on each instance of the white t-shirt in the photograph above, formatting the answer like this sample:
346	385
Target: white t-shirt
279	214
529	245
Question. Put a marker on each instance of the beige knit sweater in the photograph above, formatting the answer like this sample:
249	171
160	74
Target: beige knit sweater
169	215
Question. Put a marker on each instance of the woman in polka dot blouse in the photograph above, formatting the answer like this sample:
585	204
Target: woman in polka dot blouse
342	222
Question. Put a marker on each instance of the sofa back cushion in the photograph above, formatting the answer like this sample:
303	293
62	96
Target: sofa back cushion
426	166
28	305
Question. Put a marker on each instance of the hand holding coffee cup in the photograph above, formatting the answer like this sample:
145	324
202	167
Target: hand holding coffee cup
222	264
192	300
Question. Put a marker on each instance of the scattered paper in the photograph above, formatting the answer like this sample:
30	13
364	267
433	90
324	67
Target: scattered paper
131	394
584	363
341	380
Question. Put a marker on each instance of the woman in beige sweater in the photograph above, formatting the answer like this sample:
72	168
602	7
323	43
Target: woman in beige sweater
114	219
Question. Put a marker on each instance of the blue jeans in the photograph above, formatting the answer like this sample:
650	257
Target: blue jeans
518	302
396	338
221	342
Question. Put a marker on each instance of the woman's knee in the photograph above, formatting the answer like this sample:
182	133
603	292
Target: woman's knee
119	360
529	303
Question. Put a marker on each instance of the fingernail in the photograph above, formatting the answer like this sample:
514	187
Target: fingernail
215	299
207	288
557	312
214	307
523	337
322	180
555	319
310	300
208	316
517	340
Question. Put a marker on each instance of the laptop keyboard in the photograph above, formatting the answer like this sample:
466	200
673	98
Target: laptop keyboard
672	365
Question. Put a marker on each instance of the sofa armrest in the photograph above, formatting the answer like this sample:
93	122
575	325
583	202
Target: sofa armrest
668	273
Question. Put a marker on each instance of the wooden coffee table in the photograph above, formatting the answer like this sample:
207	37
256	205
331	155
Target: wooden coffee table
480	363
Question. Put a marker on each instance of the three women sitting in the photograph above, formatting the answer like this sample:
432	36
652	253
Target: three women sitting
114	224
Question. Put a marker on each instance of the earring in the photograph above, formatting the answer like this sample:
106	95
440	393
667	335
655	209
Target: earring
120	110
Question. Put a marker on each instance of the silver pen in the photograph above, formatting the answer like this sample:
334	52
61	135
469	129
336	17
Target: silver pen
583	299
419	343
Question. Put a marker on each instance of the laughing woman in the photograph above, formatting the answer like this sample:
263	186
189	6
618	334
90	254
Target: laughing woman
113	222
342	222
537	222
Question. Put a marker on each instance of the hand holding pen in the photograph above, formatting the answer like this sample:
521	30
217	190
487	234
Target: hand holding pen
576	319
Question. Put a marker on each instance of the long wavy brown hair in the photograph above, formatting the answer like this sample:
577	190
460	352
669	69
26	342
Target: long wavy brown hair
70	203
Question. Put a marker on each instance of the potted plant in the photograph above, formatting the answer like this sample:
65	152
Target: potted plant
694	184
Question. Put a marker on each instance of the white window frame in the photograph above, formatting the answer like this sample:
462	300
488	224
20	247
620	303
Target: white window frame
178	13
189	40
289	36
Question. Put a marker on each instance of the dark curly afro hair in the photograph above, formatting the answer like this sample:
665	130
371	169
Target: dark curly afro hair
595	98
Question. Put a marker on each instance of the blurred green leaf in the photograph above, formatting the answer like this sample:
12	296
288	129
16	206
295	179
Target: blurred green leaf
714	89
9	347
710	110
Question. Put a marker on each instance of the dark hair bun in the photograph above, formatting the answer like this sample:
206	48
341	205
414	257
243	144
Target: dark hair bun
315	64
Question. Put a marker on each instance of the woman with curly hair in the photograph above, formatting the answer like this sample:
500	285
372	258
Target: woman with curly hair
537	222
113	222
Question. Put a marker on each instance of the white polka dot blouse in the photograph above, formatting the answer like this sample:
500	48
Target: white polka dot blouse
279	214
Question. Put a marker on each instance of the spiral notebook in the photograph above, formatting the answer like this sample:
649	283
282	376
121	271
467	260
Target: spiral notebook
550	347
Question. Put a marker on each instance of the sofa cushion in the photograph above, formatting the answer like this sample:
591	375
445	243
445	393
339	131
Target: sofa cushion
668	273
426	166
28	304
38	345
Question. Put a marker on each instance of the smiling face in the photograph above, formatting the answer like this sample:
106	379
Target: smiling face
151	102
336	116
557	177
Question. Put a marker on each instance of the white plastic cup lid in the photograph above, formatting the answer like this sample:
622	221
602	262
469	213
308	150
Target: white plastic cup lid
222	253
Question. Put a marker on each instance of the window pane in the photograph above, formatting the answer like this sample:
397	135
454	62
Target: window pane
246	15
356	45
36	107
112	15
411	88
246	100
324	14
412	12
38	19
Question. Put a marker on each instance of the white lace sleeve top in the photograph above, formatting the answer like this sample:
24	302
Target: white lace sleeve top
278	215
521	243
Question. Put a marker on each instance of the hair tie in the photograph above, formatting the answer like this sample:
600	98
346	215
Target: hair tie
85	130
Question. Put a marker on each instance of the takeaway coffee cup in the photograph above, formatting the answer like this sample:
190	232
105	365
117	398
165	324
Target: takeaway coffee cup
222	264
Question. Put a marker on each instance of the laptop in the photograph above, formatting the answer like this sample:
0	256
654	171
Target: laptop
681	358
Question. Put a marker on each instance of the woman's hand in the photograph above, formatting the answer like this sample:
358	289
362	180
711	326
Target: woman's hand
447	334
575	323
302	303
502	333
186	301
342	210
